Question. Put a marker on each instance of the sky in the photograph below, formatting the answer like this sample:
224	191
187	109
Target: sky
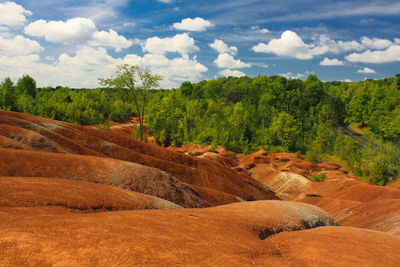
73	43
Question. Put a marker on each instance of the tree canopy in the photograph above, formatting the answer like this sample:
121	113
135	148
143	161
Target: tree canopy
127	77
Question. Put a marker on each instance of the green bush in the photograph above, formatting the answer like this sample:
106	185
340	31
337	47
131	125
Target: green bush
318	177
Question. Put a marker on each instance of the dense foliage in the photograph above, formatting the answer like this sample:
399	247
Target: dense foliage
246	114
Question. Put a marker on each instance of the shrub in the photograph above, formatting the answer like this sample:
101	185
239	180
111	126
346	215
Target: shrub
318	177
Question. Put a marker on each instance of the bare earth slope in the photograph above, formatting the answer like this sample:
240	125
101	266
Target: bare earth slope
242	234
351	201
44	135
80	196
99	170
39	192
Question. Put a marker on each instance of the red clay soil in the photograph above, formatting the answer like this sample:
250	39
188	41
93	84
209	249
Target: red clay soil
242	234
367	192
351	201
362	205
334	246
38	192
225	235
119	145
395	184
99	170
339	208
381	215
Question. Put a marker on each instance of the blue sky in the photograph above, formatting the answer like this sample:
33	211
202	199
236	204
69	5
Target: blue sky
72	43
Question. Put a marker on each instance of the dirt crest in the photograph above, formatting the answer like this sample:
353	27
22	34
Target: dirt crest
99	170
76	195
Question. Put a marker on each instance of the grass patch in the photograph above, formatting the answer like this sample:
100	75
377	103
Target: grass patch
318	177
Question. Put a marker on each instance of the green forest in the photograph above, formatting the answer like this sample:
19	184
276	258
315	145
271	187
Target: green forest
309	117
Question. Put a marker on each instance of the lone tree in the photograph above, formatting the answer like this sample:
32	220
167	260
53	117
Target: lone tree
138	82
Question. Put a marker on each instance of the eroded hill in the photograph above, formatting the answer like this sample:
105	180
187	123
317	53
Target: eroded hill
73	195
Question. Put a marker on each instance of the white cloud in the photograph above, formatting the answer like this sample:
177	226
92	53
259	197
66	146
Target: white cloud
196	24
110	39
221	47
366	70
3	29
174	70
290	45
258	29
226	61
129	24
232	73
290	75
375	43
97	10
18	46
83	68
327	45
166	1
180	43
331	62
397	40
12	14
391	54
80	70
76	30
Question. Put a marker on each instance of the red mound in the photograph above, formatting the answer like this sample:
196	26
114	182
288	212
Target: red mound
106	171
225	235
351	201
381	215
333	246
367	192
57	136
37	192
222	236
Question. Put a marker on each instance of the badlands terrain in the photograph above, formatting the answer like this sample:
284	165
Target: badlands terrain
75	195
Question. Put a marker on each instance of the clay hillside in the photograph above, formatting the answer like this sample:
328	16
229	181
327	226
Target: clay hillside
81	196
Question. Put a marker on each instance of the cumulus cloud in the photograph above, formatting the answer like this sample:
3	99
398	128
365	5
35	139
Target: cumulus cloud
196	24
180	43
289	45
232	73
391	54
83	68
18	46
110	39
397	40
12	14
173	70
226	61
327	45
76	30
15	67
375	43
331	62
221	47
366	70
